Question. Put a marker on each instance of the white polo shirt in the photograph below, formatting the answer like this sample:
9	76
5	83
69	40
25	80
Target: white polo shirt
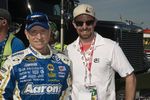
107	58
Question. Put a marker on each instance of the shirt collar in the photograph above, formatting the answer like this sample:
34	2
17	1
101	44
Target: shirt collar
99	41
38	54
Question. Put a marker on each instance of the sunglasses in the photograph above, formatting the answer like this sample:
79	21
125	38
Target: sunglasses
39	18
88	23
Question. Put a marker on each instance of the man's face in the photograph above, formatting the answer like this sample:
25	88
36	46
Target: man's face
38	37
84	25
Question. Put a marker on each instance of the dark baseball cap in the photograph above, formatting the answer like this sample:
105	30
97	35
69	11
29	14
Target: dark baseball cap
37	19
5	15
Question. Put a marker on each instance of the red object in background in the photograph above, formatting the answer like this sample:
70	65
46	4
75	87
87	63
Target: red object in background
146	51
146	31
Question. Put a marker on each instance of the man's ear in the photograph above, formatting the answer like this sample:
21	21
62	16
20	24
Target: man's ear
74	24
26	33
95	22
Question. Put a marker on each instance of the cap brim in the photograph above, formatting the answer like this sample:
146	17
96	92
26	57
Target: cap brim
42	24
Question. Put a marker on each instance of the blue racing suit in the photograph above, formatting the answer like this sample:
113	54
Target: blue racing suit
36	77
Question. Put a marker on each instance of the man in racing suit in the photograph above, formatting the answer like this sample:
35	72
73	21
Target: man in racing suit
38	72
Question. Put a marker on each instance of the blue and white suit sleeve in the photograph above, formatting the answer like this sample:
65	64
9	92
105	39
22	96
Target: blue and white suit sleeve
7	84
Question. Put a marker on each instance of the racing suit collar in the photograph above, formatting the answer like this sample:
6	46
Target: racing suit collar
38	54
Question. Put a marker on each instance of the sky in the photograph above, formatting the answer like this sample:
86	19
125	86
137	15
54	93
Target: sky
137	11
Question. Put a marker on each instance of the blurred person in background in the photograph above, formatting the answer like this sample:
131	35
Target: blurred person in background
8	42
54	38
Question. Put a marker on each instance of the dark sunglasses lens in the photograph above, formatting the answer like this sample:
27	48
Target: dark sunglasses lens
91	22
88	23
79	23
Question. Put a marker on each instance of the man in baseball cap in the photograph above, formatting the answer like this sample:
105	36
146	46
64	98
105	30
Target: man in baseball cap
95	60
47	70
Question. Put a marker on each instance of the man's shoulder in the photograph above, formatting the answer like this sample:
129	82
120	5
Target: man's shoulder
64	58
73	44
14	59
18	53
109	41
104	39
17	57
